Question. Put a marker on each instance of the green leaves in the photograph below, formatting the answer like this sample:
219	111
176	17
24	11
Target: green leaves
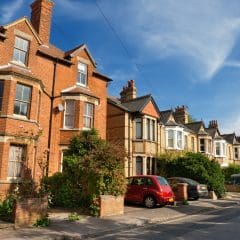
195	166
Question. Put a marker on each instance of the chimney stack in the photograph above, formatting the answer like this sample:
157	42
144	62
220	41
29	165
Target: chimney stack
41	18
181	114
129	92
213	124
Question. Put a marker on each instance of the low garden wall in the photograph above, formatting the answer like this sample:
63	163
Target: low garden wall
111	205
29	210
232	188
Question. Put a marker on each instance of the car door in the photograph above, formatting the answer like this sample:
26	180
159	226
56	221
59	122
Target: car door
133	189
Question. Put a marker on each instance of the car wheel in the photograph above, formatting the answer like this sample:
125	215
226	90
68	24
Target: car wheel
149	202
195	198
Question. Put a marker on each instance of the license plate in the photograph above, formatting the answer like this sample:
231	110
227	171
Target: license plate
171	200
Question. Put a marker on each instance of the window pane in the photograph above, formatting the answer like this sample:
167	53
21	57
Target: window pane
138	122
16	158
19	92
88	115
179	139
170	138
23	109
139	167
17	108
69	114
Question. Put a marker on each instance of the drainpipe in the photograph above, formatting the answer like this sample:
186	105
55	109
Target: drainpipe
52	97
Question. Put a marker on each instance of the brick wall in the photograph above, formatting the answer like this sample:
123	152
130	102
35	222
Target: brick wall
111	205
28	211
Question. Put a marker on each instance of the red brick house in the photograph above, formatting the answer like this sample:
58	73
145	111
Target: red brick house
46	96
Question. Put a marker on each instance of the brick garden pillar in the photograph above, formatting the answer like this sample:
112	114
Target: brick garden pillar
181	193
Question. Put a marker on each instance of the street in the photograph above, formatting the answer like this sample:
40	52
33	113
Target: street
220	225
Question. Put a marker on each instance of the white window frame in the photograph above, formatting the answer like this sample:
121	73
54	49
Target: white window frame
82	74
21	49
222	147
176	140
17	156
88	115
69	112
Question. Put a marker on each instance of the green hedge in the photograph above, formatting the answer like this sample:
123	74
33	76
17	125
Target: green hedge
195	166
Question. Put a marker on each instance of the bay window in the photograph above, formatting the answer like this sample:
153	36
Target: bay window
175	138
220	148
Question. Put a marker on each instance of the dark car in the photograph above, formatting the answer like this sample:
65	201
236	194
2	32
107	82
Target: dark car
150	190
194	188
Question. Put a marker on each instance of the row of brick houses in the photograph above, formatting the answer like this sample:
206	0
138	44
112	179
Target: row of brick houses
145	131
48	95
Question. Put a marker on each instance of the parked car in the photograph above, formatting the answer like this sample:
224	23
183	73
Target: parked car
194	188
150	190
235	179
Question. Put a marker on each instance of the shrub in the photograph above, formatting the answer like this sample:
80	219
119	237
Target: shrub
91	167
196	166
231	169
7	208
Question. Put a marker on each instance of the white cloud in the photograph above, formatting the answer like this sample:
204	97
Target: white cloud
8	11
202	33
234	64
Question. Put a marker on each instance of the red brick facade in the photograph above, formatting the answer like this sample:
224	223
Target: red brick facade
51	75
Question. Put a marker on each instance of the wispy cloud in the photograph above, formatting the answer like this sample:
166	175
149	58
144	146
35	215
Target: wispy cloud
201	33
77	9
9	10
234	64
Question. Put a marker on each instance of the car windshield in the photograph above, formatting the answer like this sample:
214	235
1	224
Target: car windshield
162	181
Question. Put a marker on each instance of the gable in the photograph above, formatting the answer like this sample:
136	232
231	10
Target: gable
24	21
150	110
201	128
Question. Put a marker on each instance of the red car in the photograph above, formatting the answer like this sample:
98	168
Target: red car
149	190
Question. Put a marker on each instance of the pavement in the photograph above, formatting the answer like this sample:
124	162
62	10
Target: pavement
134	216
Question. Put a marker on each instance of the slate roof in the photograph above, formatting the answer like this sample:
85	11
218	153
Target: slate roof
135	105
230	138
195	127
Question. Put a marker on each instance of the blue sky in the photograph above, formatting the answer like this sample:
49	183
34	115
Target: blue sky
183	52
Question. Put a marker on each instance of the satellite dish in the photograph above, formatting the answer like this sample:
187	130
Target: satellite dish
60	107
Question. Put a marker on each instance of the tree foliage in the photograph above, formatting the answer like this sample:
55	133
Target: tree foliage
91	167
195	166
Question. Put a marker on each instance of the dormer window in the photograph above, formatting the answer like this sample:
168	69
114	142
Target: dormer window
20	53
82	74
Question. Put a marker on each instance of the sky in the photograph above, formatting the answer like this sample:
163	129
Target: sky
182	52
